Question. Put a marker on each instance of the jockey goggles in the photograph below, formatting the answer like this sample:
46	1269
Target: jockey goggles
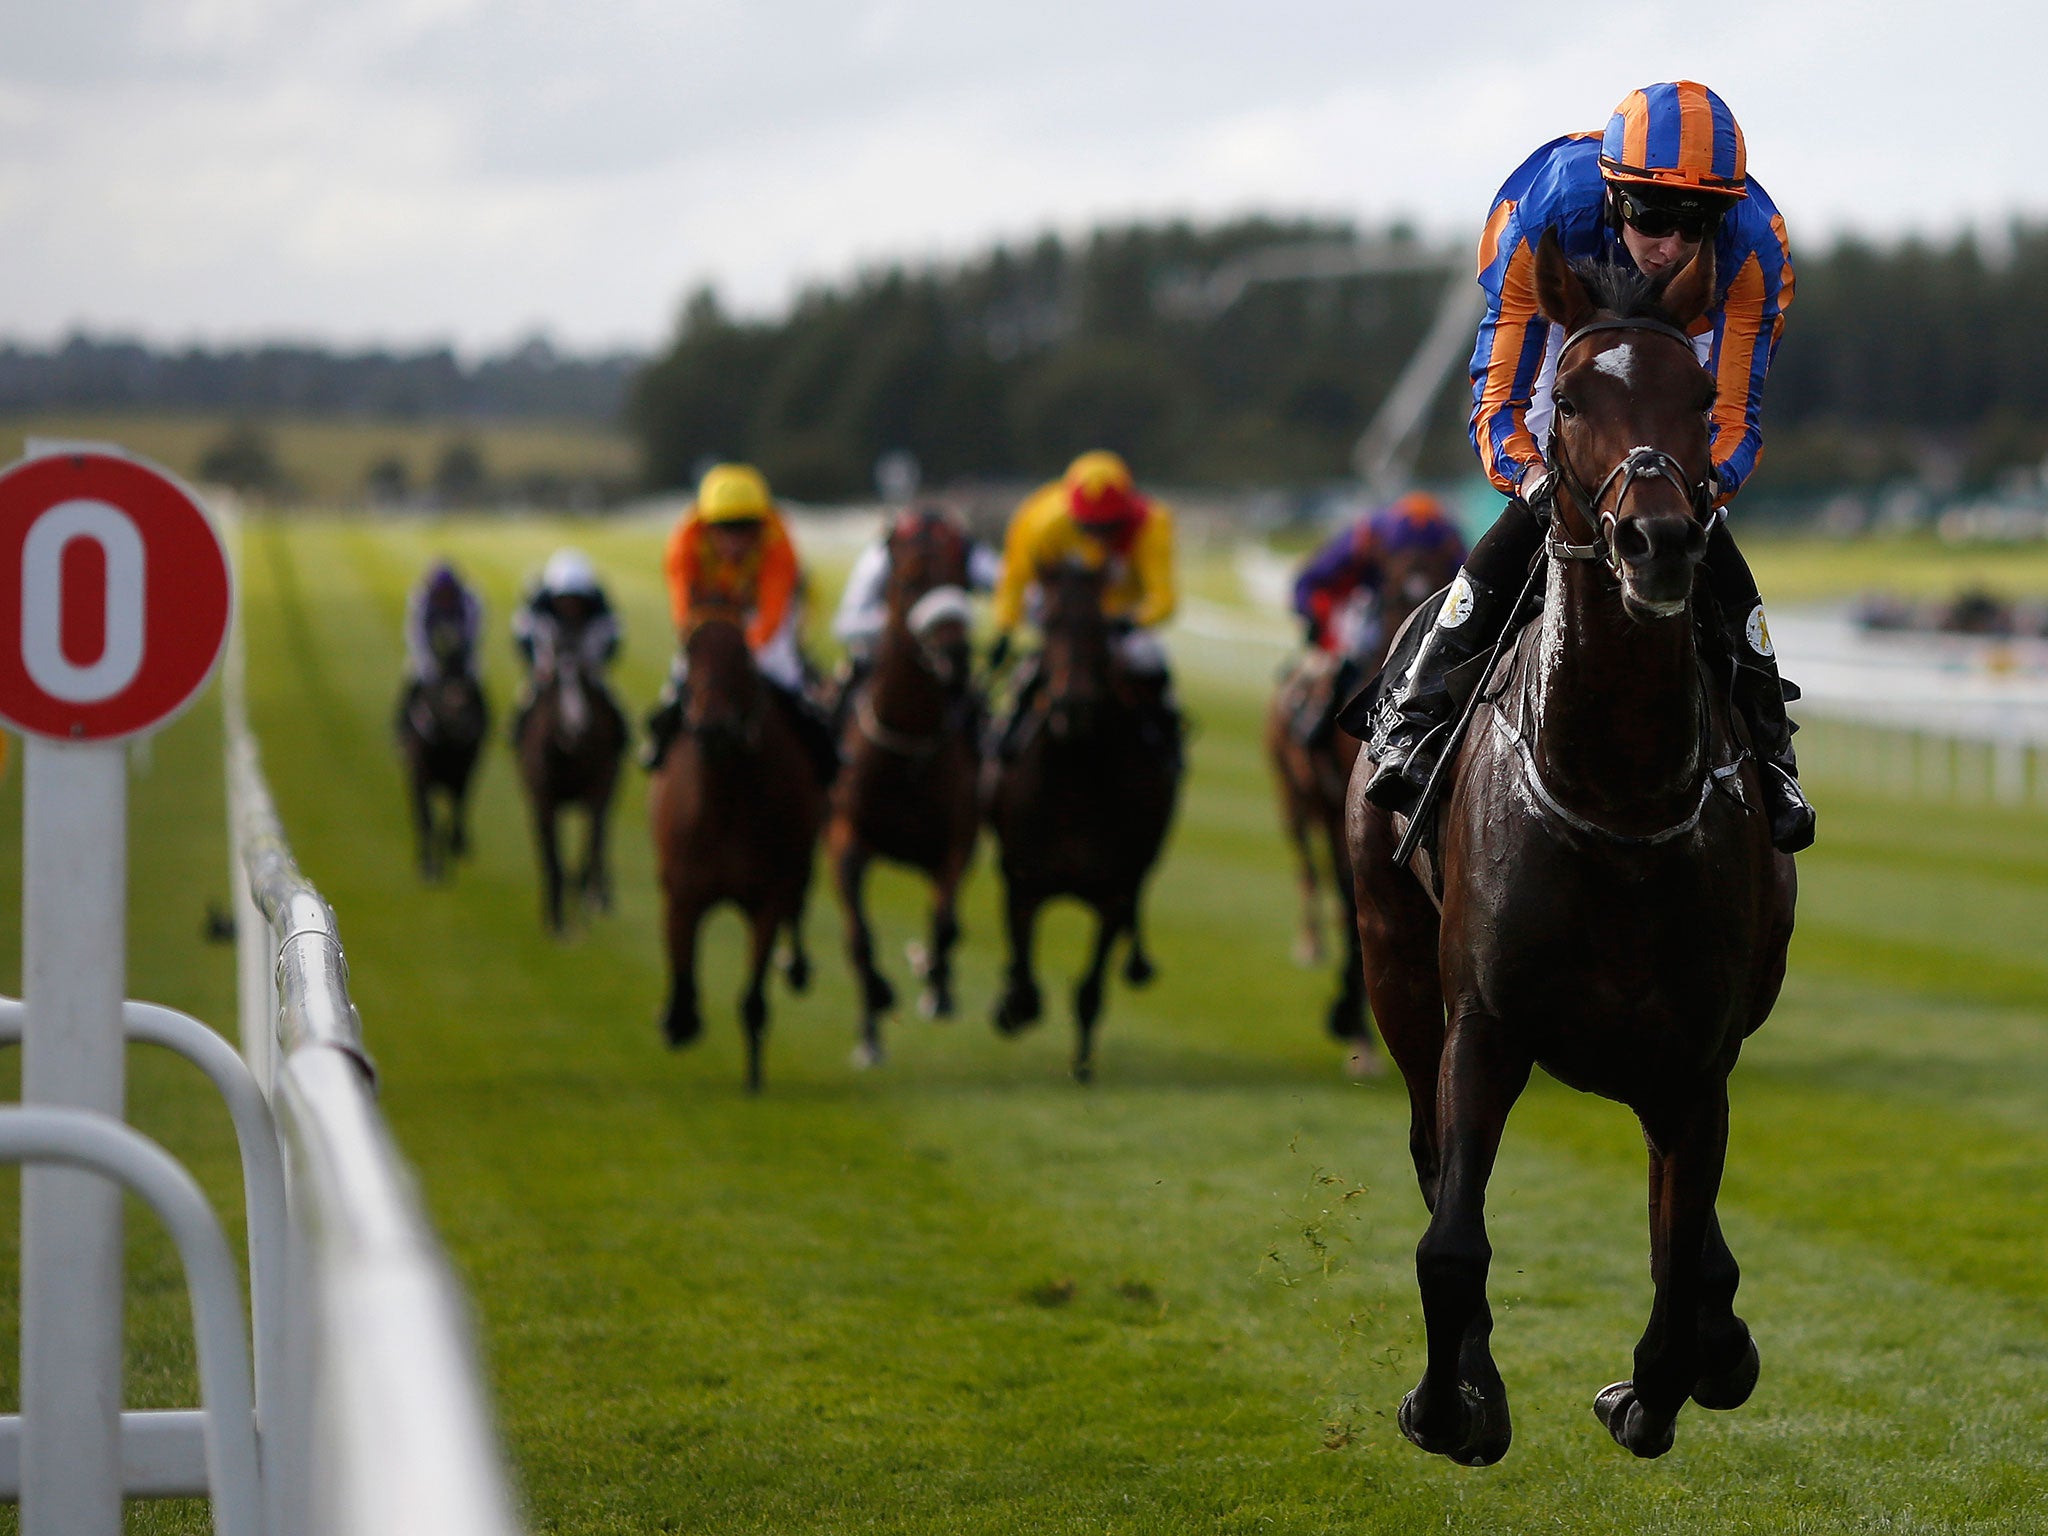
1695	219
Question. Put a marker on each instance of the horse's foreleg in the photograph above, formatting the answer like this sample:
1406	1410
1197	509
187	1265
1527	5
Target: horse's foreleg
936	1002
547	834
849	873
1728	1357
423	829
1110	924
762	925
681	1022
1687	1150
596	882
1020	1006
1138	967
1460	1407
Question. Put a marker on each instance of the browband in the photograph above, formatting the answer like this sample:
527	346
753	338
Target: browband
1639	323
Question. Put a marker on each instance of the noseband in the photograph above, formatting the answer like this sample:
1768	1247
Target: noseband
1639	463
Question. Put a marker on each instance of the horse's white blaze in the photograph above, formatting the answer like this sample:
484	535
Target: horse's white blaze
1618	362
42	601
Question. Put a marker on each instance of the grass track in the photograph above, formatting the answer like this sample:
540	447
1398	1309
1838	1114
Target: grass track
962	1295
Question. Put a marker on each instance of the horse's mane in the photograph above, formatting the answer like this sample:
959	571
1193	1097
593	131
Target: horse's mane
1622	291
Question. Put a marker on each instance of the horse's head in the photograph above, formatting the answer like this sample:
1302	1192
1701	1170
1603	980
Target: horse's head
1076	657
928	578
1630	435
725	702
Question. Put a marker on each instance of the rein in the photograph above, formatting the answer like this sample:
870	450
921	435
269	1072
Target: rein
1639	463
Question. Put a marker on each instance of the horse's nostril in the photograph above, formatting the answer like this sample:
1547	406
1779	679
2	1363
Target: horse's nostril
1631	542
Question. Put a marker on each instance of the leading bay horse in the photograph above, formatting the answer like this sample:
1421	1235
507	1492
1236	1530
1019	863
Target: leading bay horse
1312	777
569	743
734	807
1603	901
441	725
1083	808
907	790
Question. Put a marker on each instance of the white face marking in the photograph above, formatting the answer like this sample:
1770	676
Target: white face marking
1618	362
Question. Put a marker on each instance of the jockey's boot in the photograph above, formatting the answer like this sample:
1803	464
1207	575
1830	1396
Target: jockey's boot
664	725
1761	694
813	730
1415	716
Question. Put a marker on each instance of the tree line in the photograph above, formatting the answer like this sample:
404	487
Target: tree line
1915	360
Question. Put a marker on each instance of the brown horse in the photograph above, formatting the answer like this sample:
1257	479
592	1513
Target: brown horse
441	725
569	744
907	790
1083	808
1311	778
735	808
1605	902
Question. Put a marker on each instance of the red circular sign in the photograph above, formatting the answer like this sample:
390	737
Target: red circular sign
114	596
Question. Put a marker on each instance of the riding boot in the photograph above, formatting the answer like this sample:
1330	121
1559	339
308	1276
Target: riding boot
664	725
1760	694
1414	718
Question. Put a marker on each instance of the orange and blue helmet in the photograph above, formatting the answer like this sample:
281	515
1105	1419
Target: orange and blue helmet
1678	136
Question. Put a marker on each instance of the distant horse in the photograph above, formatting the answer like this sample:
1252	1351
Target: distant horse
907	790
441	725
1604	900
1083	808
569	745
735	809
1311	779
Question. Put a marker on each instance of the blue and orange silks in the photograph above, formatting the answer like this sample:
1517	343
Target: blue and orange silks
1560	187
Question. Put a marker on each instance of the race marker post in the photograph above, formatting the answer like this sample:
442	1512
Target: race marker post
115	598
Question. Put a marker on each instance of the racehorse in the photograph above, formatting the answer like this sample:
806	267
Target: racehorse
907	790
1603	899
441	725
569	745
1082	809
735	808
1311	779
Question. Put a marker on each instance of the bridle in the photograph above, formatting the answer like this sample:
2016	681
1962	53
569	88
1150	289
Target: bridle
1639	463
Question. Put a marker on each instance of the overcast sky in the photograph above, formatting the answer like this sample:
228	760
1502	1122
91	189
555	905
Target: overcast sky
469	170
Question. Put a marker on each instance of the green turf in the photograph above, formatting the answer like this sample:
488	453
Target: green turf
962	1294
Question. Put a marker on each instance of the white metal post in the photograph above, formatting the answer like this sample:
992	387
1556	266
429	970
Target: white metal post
74	975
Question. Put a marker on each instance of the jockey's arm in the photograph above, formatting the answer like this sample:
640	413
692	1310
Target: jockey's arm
1020	566
679	561
1746	338
1152	563
777	587
1507	359
862	606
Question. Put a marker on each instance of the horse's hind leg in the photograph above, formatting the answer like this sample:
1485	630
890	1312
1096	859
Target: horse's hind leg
763	925
1687	1148
1019	1006
1110	925
936	1001
681	1023
1138	967
1398	930
1460	1407
849	872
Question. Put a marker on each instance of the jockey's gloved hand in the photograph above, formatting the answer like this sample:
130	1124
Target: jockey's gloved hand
1538	492
999	652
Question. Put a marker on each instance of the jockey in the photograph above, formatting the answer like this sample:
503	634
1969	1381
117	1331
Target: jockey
1094	516
1337	596
443	618
1668	173
864	605
730	554
566	610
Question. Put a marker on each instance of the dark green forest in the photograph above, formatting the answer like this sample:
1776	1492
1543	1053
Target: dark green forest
1913	360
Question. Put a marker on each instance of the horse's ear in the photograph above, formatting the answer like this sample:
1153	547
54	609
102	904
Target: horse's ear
1560	296
1691	293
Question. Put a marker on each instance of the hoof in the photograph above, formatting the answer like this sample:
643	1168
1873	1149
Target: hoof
1084	1072
1363	1062
1017	1010
1628	1421
934	1005
1731	1388
1138	968
681	1027
920	960
867	1054
798	972
1483	1436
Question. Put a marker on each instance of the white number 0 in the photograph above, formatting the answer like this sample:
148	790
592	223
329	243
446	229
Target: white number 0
42	601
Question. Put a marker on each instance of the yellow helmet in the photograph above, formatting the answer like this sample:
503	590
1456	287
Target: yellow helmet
733	493
1092	474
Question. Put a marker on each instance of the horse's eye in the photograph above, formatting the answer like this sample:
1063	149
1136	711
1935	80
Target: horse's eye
1565	408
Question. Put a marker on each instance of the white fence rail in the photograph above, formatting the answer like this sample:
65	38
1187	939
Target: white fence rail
381	1425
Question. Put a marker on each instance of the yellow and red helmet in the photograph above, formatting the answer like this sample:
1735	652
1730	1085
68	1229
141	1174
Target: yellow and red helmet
1677	136
1100	492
